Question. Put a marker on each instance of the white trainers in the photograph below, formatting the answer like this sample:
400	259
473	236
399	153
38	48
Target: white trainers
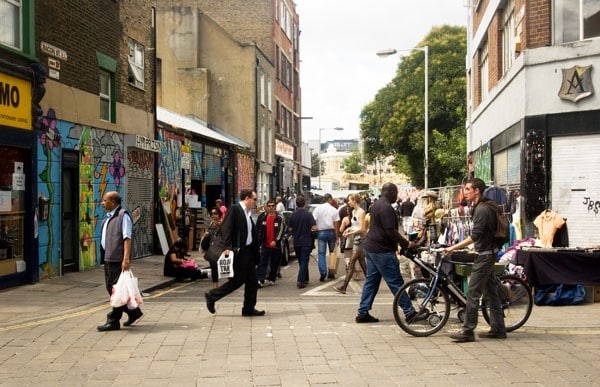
270	283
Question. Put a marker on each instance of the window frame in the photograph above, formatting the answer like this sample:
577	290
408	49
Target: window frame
107	66
26	28
135	75
508	37
575	32
484	72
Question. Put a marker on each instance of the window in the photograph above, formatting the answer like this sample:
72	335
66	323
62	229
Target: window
285	20
263	96
17	25
576	20
286	72
105	96
508	37
483	72
135	75
106	73
269	96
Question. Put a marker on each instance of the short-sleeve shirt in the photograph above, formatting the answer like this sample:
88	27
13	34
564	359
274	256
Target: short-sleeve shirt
383	217
301	223
325	215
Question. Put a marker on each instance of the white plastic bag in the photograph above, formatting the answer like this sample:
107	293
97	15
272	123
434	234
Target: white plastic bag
119	295
135	296
225	265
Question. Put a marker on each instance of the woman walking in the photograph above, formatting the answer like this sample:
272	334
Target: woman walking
356	231
214	231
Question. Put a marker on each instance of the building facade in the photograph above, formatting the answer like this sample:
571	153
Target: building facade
90	93
533	111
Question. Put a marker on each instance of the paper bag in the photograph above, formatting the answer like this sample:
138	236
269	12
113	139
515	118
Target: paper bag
332	263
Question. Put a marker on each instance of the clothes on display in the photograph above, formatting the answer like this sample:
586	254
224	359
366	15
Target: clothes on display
547	223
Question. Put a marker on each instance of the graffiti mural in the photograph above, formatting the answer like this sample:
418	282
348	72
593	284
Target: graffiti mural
245	171
140	200
100	170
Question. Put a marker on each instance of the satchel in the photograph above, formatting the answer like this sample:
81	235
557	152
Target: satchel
215	249
225	265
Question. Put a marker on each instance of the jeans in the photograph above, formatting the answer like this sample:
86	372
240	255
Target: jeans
326	238
386	266
482	282
268	258
303	256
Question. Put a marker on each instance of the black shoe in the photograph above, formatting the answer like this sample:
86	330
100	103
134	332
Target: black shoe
253	312
331	276
462	337
365	318
322	278
492	335
210	303
415	316
109	327
301	285
135	315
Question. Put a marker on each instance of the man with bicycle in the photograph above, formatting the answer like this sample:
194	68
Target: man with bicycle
482	275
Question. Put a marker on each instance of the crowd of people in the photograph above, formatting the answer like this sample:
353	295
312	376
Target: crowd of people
370	232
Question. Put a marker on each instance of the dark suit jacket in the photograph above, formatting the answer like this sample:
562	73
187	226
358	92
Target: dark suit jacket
234	229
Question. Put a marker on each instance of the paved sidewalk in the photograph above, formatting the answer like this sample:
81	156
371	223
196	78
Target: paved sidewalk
74	291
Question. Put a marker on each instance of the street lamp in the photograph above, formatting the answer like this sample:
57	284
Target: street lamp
320	130
425	49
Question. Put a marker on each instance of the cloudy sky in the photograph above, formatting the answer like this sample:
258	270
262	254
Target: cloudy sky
339	71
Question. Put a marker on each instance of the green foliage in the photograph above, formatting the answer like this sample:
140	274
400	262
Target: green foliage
315	163
353	163
394	122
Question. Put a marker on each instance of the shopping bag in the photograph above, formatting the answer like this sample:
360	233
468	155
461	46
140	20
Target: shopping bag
119	295
225	265
135	296
332	263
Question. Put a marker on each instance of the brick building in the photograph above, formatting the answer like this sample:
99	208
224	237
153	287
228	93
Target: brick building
85	72
533	111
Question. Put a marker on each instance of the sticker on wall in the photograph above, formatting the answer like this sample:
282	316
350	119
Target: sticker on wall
18	177
576	83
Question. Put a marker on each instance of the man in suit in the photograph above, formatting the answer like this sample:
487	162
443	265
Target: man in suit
239	235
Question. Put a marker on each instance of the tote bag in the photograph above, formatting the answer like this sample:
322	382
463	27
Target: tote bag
225	265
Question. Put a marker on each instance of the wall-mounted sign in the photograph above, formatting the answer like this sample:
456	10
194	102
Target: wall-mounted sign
54	64
15	102
284	149
576	83
53	51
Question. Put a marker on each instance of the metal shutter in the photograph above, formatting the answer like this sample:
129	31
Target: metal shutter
576	187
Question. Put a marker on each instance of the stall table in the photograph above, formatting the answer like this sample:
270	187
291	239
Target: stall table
570	267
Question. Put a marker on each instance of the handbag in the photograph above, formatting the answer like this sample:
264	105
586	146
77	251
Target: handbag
189	263
215	249
225	265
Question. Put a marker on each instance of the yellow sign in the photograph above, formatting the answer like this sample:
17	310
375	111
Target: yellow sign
15	102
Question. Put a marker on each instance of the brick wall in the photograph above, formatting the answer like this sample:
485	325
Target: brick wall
538	29
82	27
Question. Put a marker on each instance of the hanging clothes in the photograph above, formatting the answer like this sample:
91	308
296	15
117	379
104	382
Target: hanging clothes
547	223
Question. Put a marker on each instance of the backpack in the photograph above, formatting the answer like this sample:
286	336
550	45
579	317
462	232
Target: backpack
502	232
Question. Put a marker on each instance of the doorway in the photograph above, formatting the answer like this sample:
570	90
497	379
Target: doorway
70	212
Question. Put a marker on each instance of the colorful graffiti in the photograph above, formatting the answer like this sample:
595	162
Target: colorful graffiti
245	171
100	170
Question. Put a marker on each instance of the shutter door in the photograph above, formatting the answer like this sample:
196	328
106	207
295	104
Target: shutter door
140	199
514	165
576	187
500	168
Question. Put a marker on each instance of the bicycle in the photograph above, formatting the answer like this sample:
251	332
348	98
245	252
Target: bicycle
432	296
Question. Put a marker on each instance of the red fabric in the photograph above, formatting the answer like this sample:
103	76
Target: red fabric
270	235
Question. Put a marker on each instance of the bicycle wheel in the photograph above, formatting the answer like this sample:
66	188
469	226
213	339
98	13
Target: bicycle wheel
432	305
516	300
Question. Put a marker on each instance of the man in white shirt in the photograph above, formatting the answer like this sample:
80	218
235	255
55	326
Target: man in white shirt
279	206
328	224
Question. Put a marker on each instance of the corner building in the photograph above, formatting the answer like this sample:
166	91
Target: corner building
533	107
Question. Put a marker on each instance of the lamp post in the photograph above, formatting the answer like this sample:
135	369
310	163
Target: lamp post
320	130
425	49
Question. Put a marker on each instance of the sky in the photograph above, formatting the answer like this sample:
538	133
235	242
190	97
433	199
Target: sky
339	71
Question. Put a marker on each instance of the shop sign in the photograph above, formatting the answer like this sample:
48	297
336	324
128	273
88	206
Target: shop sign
284	149
576	83
15	102
53	51
146	143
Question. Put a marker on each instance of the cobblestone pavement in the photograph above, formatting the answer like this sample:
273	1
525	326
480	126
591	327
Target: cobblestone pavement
308	338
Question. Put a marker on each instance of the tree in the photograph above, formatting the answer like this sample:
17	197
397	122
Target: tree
393	123
317	166
353	163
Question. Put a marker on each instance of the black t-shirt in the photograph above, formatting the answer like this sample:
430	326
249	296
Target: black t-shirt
301	223
383	217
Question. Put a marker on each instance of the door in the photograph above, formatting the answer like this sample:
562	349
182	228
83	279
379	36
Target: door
70	212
